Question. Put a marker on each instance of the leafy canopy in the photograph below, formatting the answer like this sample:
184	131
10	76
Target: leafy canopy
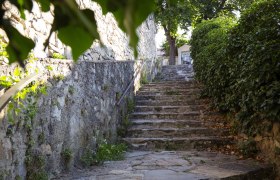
173	13
205	10
75	27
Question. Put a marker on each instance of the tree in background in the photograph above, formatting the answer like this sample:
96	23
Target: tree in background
180	41
75	27
171	14
205	10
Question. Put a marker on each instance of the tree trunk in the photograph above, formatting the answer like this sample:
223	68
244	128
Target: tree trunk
172	50
172	46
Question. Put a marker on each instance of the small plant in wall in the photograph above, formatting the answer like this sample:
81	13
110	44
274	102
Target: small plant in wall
21	111
110	152
23	104
67	156
124	124
87	158
104	152
144	78
59	77
35	167
58	56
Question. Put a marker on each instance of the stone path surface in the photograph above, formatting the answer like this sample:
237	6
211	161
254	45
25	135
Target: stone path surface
168	139
172	165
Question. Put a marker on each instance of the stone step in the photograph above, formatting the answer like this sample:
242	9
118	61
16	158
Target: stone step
171	86
188	115
171	90
172	82
199	143
165	123
168	102
165	97
164	92
150	132
168	109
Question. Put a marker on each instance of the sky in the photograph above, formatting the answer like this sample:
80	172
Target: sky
160	37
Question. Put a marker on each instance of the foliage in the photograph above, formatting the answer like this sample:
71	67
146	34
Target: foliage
180	41
67	155
88	158
248	148
110	152
125	123
240	65
75	27
23	104
21	111
58	56
130	105
170	15
254	49
208	45
104	152
35	167
206	10
144	78
3	52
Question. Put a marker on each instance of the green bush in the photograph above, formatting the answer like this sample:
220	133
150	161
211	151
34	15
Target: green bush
240	64
254	50
208	48
110	152
104	152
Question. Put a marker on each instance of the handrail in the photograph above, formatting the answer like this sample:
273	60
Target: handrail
129	85
5	98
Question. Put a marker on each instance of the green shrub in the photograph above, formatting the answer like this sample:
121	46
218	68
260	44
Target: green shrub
67	155
208	48
104	152
144	78
248	148
240	64
254	49
88	158
112	152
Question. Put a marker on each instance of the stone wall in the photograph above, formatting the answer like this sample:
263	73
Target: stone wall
78	110
38	24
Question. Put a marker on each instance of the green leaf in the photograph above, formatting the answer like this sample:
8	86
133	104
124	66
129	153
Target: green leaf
129	15
77	38
16	72
45	5
19	46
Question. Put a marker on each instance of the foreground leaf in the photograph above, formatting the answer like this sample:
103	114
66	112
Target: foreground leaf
129	15
18	47
77	38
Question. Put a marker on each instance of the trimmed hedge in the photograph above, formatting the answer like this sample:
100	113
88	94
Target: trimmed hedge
240	65
208	49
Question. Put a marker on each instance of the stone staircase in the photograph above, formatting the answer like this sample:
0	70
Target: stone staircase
169	118
166	133
168	114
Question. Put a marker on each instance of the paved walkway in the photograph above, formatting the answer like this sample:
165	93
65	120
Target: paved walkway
172	165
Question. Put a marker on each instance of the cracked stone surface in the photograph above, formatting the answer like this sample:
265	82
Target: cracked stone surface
167	165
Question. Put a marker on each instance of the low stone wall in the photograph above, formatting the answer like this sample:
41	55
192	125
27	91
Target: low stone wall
78	110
